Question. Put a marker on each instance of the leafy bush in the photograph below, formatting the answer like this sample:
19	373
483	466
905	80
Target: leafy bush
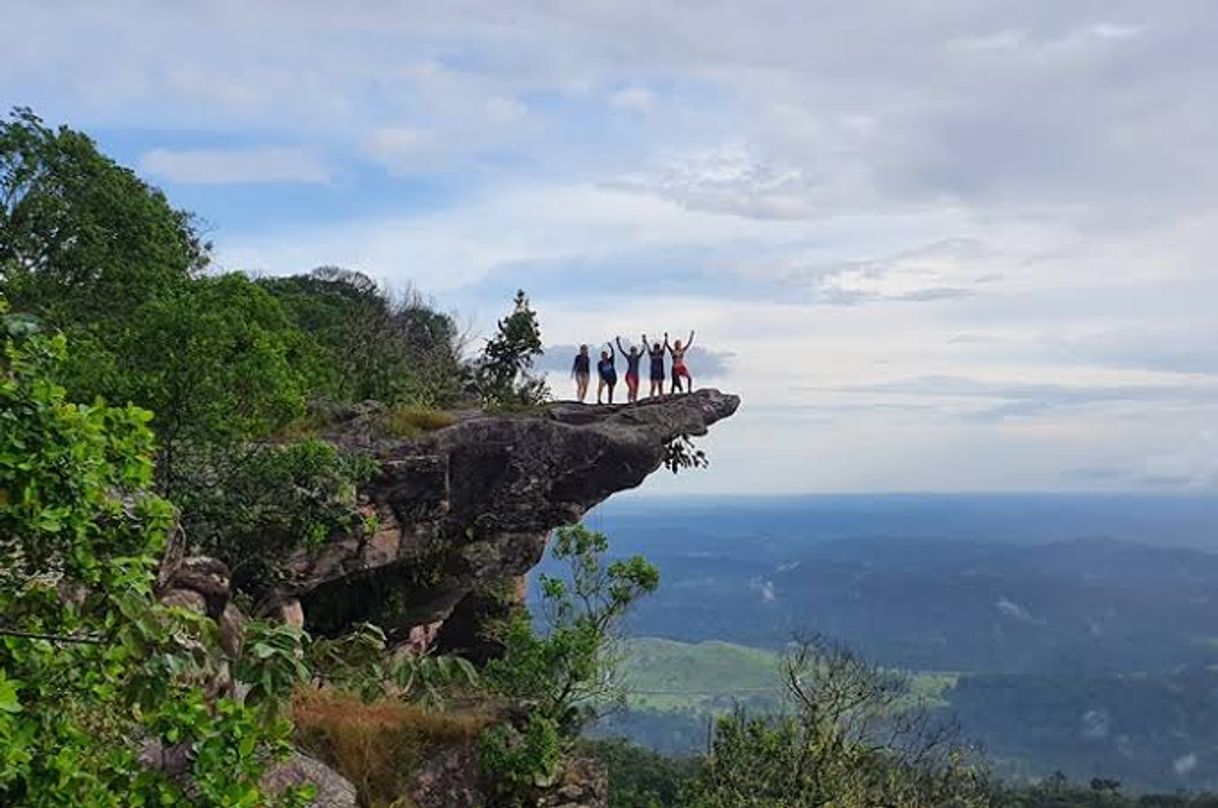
516	761
253	506
641	778
92	670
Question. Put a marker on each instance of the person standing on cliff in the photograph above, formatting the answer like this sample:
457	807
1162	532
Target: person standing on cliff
633	357
679	370
607	371
582	371
656	352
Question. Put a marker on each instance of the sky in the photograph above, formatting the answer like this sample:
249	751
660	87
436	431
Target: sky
934	245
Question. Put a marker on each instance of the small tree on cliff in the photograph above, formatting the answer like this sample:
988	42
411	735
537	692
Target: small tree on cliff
504	372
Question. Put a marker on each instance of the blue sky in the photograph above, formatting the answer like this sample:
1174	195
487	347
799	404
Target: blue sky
934	244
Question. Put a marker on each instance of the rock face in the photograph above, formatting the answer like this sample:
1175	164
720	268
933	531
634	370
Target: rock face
462	512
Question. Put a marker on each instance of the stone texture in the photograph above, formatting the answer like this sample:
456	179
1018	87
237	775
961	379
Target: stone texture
471	505
333	790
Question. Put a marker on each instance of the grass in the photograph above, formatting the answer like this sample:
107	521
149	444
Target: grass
670	676
410	421
380	745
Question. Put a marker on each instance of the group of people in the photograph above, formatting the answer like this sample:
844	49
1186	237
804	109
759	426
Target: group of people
606	368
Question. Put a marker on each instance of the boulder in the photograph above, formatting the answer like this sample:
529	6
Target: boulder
333	790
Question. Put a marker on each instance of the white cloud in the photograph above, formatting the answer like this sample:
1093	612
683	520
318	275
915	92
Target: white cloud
262	164
1022	196
634	98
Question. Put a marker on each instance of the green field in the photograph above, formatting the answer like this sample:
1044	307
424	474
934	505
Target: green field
666	675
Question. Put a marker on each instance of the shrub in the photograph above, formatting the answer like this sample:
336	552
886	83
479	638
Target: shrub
91	667
254	506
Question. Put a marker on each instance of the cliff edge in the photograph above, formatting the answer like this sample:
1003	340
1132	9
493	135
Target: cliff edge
462	512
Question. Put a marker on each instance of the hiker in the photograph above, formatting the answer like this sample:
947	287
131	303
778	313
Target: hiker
633	357
607	372
656	352
582	371
679	370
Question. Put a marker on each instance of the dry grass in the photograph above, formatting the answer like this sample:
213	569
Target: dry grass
378	746
407	421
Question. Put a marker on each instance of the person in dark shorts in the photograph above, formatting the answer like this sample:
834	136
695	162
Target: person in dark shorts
679	370
582	371
608	373
656	353
633	357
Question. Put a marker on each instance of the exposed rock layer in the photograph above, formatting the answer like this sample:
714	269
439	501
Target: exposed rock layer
464	510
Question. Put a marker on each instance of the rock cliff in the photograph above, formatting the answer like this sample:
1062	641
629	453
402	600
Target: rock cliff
460	513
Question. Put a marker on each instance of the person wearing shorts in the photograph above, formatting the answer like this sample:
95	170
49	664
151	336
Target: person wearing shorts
656	354
633	357
608	374
679	370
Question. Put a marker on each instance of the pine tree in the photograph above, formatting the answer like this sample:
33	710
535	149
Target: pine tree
505	369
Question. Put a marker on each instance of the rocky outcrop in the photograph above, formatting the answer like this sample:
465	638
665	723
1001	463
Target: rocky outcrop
461	512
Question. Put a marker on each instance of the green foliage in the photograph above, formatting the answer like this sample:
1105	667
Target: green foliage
357	662
515	761
853	739
253	505
218	360
426	679
372	344
504	372
272	662
91	668
569	669
640	778
83	240
681	453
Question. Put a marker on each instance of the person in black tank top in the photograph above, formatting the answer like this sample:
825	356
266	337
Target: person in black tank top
633	358
656	354
607	371
582	371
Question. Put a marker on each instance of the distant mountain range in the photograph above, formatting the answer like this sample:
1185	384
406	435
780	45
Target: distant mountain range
1080	631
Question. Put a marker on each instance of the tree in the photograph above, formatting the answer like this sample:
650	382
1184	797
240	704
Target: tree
83	239
560	677
572	667
374	344
504	372
220	363
92	670
855	738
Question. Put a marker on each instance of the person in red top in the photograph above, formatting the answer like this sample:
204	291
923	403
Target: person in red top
679	369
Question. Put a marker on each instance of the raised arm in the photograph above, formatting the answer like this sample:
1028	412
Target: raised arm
690	341
618	340
612	355
667	347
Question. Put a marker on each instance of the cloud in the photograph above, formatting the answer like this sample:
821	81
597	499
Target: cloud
256	165
633	98
1006	399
